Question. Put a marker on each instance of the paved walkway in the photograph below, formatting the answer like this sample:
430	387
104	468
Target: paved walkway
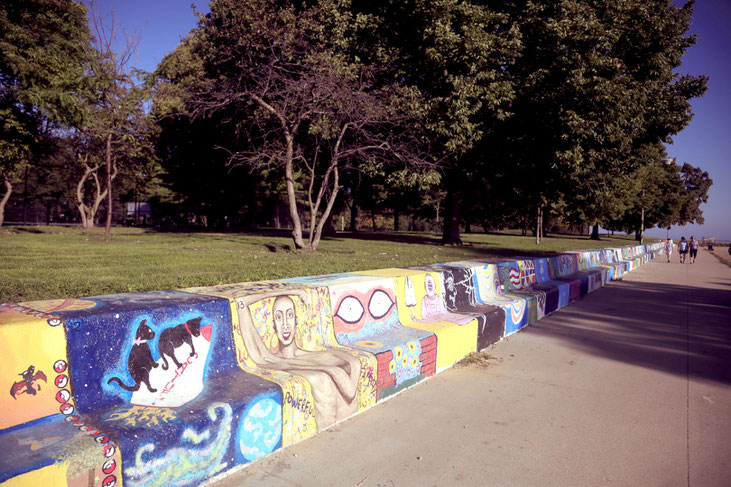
630	386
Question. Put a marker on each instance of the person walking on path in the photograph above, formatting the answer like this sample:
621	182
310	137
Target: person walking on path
683	249
669	248
693	249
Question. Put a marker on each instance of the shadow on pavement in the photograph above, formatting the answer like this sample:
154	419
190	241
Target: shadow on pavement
676	329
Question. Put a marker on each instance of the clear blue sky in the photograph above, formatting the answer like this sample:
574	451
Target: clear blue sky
705	143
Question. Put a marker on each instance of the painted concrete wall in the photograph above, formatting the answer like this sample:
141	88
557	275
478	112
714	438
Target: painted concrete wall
176	387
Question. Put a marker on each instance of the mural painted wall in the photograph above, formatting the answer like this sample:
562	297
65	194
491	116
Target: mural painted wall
284	333
365	317
563	288
490	289
460	297
44	439
155	375
420	304
175	387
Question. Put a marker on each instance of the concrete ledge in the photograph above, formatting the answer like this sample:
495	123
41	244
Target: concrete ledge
176	387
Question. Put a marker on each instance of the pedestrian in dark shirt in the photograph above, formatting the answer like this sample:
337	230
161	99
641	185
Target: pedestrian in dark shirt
693	249
683	249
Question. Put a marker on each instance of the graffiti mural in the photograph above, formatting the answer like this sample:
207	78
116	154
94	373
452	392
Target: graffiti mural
460	297
365	317
284	333
176	387
556	292
200	456
42	436
420	304
512	285
561	269
31	348
156	363
260	430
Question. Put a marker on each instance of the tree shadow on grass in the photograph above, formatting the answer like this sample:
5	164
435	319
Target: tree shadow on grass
675	329
479	250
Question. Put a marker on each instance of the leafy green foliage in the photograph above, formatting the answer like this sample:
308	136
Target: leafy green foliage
41	57
596	86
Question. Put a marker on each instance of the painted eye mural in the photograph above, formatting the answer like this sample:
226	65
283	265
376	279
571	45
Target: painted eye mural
350	310
380	304
366	319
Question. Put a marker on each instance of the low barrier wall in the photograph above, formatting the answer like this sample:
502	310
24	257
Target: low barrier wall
176	387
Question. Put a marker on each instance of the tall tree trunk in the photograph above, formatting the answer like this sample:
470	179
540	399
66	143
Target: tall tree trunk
316	232
88	213
450	235
354	216
291	196
396	215
354	206
6	197
638	234
108	227
595	232
539	226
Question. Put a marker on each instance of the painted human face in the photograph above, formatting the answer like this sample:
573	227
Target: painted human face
285	320
430	285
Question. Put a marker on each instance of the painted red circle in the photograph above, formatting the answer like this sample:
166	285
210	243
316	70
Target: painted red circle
110	481
61	381
66	409
109	450
109	466
59	366
63	396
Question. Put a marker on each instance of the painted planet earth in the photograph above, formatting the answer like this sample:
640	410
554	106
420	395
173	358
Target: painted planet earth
260	429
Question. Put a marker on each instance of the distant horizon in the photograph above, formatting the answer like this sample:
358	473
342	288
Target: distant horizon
675	235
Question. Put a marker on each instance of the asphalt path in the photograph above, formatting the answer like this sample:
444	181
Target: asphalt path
629	386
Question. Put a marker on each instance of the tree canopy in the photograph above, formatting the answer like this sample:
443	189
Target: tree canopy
42	54
459	111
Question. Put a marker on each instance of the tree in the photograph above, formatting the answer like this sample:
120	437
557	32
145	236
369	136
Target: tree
595	86
454	52
115	112
298	102
41	61
669	194
697	182
89	193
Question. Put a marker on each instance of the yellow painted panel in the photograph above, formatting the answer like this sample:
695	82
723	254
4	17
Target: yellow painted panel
456	333
34	355
50	475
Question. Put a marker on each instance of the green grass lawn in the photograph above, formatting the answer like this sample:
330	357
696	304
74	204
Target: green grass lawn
59	262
